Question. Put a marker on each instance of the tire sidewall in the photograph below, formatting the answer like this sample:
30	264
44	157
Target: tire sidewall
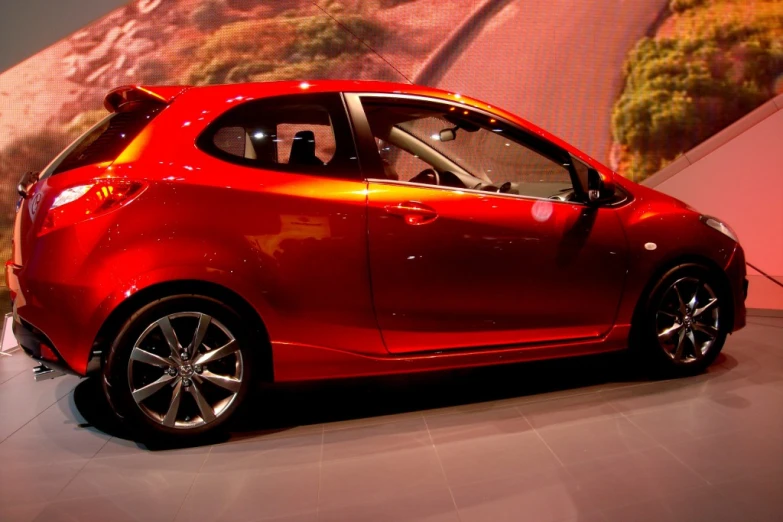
115	369
646	332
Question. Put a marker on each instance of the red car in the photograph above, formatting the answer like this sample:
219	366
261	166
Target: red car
200	238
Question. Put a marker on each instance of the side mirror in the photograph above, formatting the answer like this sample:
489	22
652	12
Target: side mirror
28	179
447	134
599	189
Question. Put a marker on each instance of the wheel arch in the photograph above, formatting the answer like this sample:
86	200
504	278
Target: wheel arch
193	287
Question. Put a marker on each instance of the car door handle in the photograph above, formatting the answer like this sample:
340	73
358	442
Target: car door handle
413	212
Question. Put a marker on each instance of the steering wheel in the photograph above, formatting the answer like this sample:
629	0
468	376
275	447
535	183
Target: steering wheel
488	187
563	194
426	176
449	179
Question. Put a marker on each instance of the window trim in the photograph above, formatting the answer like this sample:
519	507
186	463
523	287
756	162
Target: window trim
386	181
205	140
358	116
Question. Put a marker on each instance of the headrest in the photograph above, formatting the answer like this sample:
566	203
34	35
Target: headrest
304	144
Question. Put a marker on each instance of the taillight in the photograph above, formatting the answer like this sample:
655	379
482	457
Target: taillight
87	201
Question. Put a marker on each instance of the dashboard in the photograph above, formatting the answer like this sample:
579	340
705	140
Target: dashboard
446	178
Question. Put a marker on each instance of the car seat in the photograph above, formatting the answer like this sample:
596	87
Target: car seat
303	150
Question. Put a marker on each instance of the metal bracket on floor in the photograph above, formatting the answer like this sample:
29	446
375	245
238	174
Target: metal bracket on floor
8	342
43	373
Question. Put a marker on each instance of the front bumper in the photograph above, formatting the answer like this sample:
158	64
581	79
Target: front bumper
736	273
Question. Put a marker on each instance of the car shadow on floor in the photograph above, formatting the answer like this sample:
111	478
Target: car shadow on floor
275	408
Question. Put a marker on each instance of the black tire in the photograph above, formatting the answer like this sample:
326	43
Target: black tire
669	350
191	383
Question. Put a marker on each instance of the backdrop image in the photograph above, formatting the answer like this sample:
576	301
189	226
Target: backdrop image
633	83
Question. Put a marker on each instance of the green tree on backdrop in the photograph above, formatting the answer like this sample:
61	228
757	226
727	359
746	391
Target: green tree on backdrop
709	65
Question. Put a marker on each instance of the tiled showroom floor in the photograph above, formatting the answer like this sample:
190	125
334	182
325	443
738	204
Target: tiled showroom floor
583	439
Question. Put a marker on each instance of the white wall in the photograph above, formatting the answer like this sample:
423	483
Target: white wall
737	176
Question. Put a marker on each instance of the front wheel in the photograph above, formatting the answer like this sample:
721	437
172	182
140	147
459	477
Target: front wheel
683	326
179	367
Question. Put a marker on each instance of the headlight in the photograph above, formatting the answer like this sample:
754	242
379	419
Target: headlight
720	226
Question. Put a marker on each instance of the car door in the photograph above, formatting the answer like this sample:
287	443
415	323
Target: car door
298	200
454	262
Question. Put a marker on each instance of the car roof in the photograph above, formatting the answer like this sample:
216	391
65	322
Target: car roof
244	91
292	86
268	89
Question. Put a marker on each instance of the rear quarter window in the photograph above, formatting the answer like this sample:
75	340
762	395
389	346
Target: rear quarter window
305	133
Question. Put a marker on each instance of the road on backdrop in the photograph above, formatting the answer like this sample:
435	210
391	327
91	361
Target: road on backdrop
557	63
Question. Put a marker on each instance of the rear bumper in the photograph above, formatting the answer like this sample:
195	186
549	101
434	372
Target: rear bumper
38	346
49	324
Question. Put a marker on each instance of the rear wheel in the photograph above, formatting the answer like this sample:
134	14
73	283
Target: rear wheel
180	366
683	326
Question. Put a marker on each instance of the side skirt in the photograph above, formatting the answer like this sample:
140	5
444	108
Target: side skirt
297	362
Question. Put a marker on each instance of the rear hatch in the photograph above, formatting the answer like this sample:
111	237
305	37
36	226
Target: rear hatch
131	109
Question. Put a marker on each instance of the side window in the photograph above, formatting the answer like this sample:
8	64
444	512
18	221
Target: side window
321	135
297	133
399	164
504	160
231	140
465	148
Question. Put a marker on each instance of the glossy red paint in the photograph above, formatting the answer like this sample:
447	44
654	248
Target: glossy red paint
490	271
354	275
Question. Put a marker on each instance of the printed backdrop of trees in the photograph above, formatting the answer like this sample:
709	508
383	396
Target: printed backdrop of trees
704	65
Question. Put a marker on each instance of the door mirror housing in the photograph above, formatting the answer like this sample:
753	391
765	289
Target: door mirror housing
599	188
25	183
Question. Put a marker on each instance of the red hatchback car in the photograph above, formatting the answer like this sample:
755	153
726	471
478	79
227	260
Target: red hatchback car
200	238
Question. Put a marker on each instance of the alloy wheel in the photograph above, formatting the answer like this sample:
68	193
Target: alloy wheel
185	386
687	321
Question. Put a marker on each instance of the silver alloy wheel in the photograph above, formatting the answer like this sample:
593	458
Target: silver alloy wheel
687	321
185	386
